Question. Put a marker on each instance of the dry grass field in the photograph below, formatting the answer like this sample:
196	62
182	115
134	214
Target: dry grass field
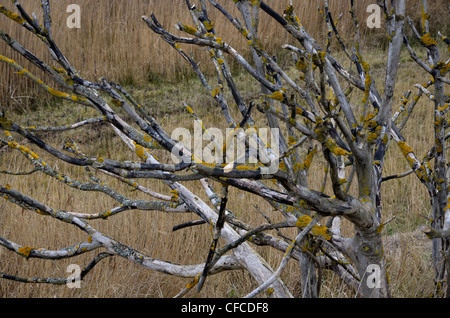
115	43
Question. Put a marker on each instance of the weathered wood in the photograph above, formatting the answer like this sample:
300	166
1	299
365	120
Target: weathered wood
319	118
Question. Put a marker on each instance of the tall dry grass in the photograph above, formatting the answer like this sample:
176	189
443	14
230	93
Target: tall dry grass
125	50
407	251
114	42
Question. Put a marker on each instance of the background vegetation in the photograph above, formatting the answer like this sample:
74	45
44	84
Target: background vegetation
114	42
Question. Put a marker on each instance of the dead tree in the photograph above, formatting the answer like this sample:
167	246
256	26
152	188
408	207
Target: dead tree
432	170
316	114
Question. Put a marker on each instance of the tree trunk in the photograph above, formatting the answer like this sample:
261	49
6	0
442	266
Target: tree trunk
308	278
370	264
366	252
440	250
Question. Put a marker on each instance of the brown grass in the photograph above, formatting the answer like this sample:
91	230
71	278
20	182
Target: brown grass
407	252
114	42
104	47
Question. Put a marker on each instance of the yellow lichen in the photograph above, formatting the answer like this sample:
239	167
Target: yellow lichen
371	137
291	140
189	29
316	230
25	251
278	95
405	148
174	197
289	9
246	168
323	55
7	60
13	16
443	108
208	25
301	65
367	82
292	121
380	228
141	152
322	231
13	144
307	163
189	109
57	93
192	283
35	156
215	92
334	148
445	68
303	221
147	138
428	40
425	18
369	117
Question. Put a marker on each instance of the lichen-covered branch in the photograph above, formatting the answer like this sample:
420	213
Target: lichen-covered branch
322	121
